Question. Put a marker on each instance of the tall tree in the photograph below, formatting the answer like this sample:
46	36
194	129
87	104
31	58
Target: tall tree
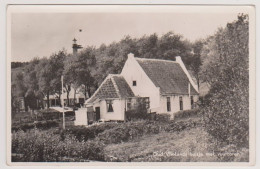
18	89
31	83
193	62
70	75
226	68
44	74
86	62
56	63
171	45
147	46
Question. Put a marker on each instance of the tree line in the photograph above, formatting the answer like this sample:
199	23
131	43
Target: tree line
85	70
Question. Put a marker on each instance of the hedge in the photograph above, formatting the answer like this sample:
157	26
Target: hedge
40	125
186	113
46	146
83	133
164	117
132	130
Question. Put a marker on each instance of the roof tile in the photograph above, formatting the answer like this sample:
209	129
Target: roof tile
109	89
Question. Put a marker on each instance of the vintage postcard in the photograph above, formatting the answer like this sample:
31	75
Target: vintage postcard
131	85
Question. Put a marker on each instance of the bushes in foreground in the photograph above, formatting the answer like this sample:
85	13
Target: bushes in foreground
83	133
186	113
165	117
226	107
81	143
132	130
109	133
43	146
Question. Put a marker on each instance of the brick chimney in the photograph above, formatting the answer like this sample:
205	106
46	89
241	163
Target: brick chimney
75	46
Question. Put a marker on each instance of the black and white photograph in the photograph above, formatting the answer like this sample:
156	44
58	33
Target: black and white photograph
131	84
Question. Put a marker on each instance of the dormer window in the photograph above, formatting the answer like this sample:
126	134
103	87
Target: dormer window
134	82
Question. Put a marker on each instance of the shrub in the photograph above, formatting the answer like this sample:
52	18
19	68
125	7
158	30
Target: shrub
136	115
186	113
139	111
48	114
182	125
70	113
83	133
226	107
165	117
43	146
132	130
85	143
47	124
121	133
40	125
226	119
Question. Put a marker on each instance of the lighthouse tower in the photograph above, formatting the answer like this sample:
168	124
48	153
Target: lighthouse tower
75	46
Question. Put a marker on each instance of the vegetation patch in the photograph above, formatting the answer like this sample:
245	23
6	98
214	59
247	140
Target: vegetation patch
133	130
185	114
37	124
194	145
163	147
165	117
43	146
83	133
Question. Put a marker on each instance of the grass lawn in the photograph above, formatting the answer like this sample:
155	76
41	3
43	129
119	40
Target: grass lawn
186	146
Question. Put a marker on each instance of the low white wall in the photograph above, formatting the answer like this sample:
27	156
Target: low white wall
81	117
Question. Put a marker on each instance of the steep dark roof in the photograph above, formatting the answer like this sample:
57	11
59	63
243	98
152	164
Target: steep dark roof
168	75
114	87
124	89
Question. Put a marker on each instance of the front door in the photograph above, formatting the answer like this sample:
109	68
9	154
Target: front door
97	113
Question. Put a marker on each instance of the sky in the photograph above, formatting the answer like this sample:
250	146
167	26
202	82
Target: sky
40	34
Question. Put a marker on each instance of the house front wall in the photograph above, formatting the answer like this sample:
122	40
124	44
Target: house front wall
132	71
118	110
175	103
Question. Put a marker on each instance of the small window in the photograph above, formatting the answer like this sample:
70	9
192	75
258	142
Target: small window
129	104
147	102
168	104
191	102
81	100
110	106
181	103
134	83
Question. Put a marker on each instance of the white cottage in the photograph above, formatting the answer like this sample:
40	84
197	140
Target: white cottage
166	85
